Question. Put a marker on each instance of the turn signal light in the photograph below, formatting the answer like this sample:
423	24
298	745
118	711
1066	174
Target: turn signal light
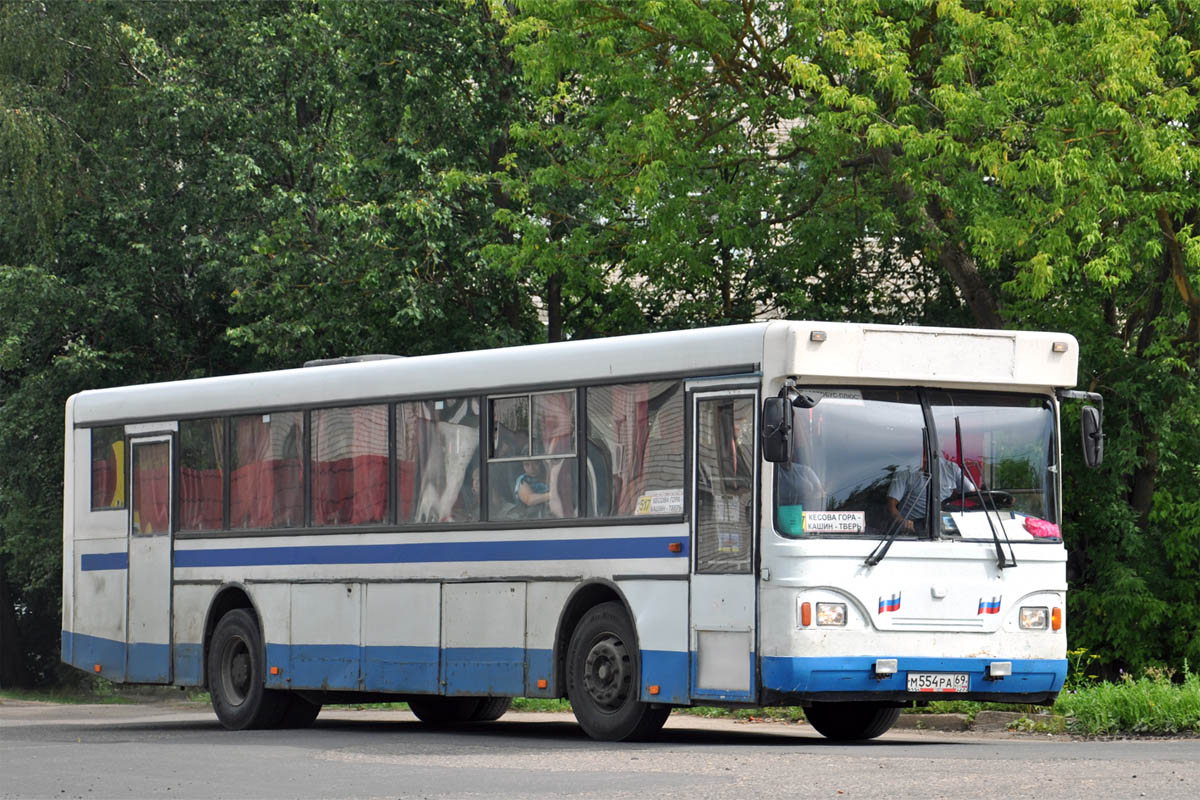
1056	619
542	683
654	688
806	614
274	670
675	547
96	668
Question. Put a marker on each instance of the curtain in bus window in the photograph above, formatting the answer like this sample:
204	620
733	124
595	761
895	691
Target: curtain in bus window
151	488
349	465
108	467
266	483
437	443
201	474
553	426
635	449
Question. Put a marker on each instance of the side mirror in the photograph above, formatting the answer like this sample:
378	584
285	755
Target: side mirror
1093	436
777	430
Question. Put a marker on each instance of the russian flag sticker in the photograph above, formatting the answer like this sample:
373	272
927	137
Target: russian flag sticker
989	606
891	604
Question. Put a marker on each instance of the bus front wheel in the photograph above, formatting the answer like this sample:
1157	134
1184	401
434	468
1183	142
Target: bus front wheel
603	680
235	675
851	721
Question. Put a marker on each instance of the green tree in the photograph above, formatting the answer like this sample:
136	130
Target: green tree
1019	163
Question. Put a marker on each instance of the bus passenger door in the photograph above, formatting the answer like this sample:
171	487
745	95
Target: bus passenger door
724	503
148	614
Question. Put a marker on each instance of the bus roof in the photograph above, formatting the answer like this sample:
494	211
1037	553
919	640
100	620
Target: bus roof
873	353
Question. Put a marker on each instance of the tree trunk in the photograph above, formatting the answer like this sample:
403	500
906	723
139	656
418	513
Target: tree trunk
554	309
975	291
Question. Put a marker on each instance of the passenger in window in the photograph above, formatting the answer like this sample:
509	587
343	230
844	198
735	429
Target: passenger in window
907	496
535	488
799	484
532	489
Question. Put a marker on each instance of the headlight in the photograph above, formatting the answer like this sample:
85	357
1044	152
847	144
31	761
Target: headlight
831	613
1034	618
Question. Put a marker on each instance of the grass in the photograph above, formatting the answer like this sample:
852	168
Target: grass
1154	704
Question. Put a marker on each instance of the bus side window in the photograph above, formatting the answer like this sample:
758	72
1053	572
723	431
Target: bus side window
532	469
108	467
437	464
201	474
350	465
266	487
635	449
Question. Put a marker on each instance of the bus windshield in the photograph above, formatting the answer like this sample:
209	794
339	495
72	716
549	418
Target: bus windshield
861	464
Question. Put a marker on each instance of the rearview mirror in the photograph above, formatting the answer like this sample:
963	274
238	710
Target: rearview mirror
777	430
1093	436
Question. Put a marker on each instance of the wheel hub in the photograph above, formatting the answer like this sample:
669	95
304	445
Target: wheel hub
606	675
236	671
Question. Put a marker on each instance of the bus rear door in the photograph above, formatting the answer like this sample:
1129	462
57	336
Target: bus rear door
148	632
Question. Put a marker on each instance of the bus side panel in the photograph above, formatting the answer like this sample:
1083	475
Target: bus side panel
273	603
546	602
97	634
190	604
483	635
660	613
324	633
401	637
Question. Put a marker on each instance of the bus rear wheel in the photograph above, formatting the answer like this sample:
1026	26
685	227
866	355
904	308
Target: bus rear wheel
443	712
604	681
236	672
851	721
491	709
300	712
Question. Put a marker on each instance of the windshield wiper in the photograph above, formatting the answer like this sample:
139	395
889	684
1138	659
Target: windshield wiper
1002	561
893	530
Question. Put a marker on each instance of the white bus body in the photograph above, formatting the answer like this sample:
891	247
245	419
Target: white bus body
286	537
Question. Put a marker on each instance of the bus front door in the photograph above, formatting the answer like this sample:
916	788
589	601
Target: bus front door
148	632
724	498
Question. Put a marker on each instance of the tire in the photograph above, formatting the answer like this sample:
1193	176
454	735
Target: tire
445	712
236	672
491	709
299	712
851	721
604	680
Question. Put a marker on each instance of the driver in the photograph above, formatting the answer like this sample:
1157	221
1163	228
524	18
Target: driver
907	495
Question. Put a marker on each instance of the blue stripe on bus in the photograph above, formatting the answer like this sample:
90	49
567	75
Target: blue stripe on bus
189	664
86	652
90	562
426	552
148	663
668	670
470	670
856	674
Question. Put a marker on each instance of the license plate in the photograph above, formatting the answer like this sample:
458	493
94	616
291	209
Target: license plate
939	682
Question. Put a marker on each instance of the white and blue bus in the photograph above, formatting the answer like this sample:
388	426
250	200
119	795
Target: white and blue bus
846	517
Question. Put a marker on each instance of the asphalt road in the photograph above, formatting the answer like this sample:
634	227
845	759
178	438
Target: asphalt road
167	751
